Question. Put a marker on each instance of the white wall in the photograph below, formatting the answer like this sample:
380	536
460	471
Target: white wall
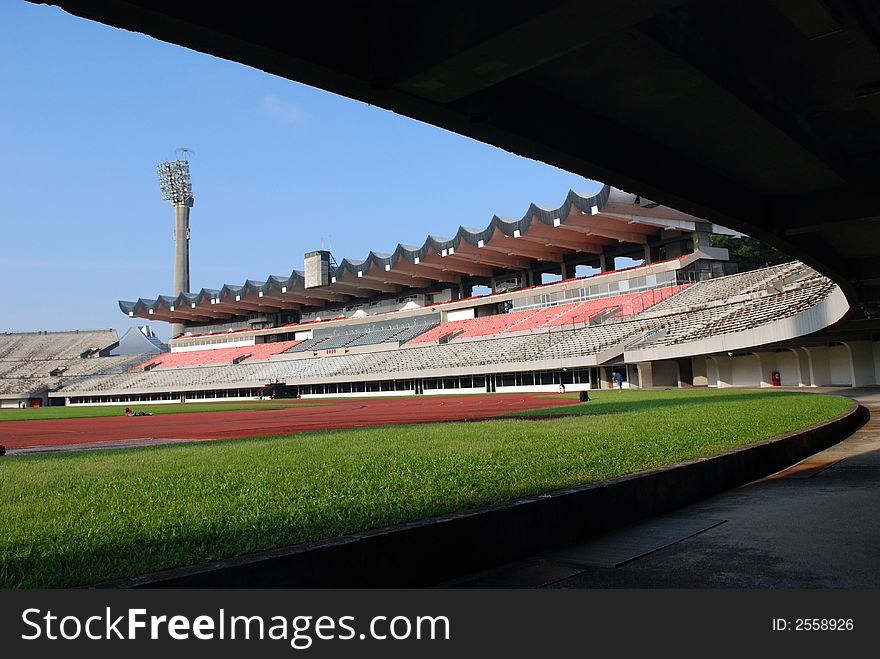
138	403
551	388
214	346
464	390
745	371
665	374
711	373
460	314
787	365
363	394
862	355
839	364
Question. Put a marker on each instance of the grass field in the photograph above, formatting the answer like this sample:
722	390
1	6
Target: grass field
88	411
78	518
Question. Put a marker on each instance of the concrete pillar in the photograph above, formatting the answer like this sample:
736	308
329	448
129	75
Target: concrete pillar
767	362
702	239
724	365
646	374
862	363
803	360
674	250
820	366
603	263
648	254
605	377
632	376
566	270
700	375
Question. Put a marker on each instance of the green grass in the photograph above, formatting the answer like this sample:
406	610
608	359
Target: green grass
79	518
88	411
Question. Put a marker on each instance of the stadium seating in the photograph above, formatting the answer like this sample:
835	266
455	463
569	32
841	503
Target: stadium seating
672	315
54	345
218	355
627	304
36	361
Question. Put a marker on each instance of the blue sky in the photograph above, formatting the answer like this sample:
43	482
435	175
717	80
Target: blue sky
279	169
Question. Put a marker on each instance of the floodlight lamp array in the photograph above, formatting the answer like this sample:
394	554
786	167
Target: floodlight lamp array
175	181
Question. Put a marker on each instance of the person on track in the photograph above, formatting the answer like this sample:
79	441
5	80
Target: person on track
130	412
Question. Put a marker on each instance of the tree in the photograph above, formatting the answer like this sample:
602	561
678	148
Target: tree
750	253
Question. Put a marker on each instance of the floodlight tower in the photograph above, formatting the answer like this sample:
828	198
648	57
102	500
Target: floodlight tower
176	186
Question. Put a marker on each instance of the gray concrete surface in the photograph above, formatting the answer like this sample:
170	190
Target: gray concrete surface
813	525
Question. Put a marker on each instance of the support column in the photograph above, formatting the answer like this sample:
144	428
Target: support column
632	373
767	361
565	270
803	366
725	370
701	378
603	263
702	237
647	254
674	250
646	374
820	366
861	363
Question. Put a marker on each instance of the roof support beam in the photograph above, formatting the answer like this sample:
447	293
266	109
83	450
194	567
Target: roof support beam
435	274
577	246
446	264
279	300
402	278
517	247
335	295
177	316
623	236
486	257
251	305
370	284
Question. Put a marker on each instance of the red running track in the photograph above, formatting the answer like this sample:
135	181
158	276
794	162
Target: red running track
349	413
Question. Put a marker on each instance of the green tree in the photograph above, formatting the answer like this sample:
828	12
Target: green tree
750	253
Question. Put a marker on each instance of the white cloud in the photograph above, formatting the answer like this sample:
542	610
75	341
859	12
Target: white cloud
287	112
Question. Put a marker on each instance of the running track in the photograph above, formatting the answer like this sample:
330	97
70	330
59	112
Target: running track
349	413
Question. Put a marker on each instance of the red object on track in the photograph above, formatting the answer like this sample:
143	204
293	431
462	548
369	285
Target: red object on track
348	413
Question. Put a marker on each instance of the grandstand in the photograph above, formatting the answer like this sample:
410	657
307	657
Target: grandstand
578	344
34	363
407	323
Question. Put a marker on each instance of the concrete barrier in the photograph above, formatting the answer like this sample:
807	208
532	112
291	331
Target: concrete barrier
433	550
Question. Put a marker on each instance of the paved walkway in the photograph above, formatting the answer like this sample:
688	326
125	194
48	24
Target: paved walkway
814	525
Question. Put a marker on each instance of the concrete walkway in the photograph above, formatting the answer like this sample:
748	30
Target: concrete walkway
814	525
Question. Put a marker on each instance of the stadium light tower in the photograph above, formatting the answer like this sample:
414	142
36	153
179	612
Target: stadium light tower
176	186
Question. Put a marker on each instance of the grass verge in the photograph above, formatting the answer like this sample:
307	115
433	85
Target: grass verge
78	518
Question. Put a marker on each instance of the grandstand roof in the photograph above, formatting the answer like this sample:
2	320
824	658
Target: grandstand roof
584	225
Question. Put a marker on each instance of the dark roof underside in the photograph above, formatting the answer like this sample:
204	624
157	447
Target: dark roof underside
760	116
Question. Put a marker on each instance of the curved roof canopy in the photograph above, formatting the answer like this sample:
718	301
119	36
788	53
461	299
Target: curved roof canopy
583	227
